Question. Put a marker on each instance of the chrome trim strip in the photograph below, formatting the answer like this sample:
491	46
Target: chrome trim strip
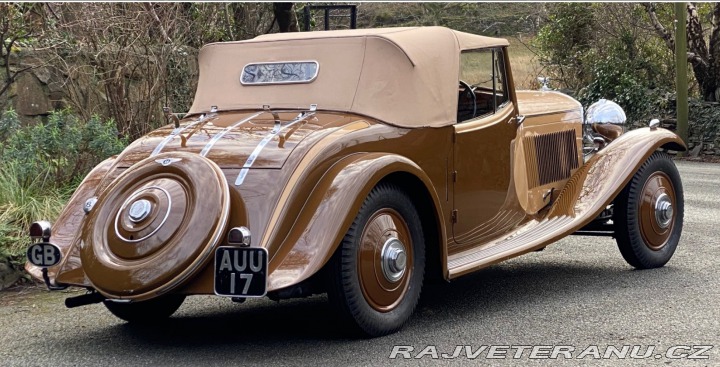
128	200
224	131
275	132
176	131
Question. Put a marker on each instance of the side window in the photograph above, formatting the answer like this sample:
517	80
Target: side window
483	85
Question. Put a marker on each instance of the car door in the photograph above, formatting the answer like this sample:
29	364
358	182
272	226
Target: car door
484	200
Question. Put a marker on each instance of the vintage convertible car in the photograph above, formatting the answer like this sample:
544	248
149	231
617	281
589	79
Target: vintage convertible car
356	163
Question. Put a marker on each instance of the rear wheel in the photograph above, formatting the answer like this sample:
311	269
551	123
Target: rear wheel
648	214
376	274
151	311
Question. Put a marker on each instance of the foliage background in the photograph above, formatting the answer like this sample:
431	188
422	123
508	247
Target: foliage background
41	166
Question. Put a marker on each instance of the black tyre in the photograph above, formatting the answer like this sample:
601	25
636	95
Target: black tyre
648	214
152	311
376	274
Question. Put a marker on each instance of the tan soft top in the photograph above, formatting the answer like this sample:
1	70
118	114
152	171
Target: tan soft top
406	77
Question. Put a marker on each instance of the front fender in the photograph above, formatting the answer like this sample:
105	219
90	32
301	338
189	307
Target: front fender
596	184
329	212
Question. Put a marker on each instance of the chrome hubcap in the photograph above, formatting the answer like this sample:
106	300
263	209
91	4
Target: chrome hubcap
394	259
663	211
139	210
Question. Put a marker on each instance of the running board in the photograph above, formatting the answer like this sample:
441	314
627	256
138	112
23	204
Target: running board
528	237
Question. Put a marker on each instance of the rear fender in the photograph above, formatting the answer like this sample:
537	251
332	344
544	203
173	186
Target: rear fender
66	230
330	210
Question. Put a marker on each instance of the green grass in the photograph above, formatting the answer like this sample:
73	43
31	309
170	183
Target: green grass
524	62
20	205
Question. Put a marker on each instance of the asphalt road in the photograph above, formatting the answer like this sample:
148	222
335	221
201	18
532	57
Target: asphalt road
578	293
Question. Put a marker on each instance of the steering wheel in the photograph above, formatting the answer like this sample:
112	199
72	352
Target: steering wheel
471	95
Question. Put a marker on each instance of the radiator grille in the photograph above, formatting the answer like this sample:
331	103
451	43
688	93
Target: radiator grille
550	157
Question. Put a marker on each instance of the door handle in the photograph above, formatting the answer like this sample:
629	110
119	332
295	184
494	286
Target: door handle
519	119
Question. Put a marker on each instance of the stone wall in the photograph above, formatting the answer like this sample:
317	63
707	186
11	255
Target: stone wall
704	127
704	134
703	121
35	93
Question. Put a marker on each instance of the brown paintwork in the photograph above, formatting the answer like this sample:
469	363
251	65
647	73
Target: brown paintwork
654	236
65	231
481	162
530	195
382	294
539	103
241	140
492	192
608	131
195	196
331	208
586	195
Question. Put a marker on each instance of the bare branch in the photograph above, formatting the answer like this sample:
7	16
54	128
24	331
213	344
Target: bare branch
151	9
661	31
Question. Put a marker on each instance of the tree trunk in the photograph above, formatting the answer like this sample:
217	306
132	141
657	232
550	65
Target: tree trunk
699	56
285	16
715	56
705	60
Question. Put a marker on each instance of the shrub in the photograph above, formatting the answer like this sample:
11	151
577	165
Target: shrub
607	51
41	166
620	82
64	149
564	42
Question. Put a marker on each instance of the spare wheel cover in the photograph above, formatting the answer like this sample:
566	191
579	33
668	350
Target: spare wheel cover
155	226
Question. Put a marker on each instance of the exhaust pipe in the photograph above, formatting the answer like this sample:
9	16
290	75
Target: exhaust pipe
85	299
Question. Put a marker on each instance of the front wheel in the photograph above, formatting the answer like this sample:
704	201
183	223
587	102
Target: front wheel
151	311
376	274
648	214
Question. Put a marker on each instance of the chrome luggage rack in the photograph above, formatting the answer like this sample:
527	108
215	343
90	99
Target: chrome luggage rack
277	129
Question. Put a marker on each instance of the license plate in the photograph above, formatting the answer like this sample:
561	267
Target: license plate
241	272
